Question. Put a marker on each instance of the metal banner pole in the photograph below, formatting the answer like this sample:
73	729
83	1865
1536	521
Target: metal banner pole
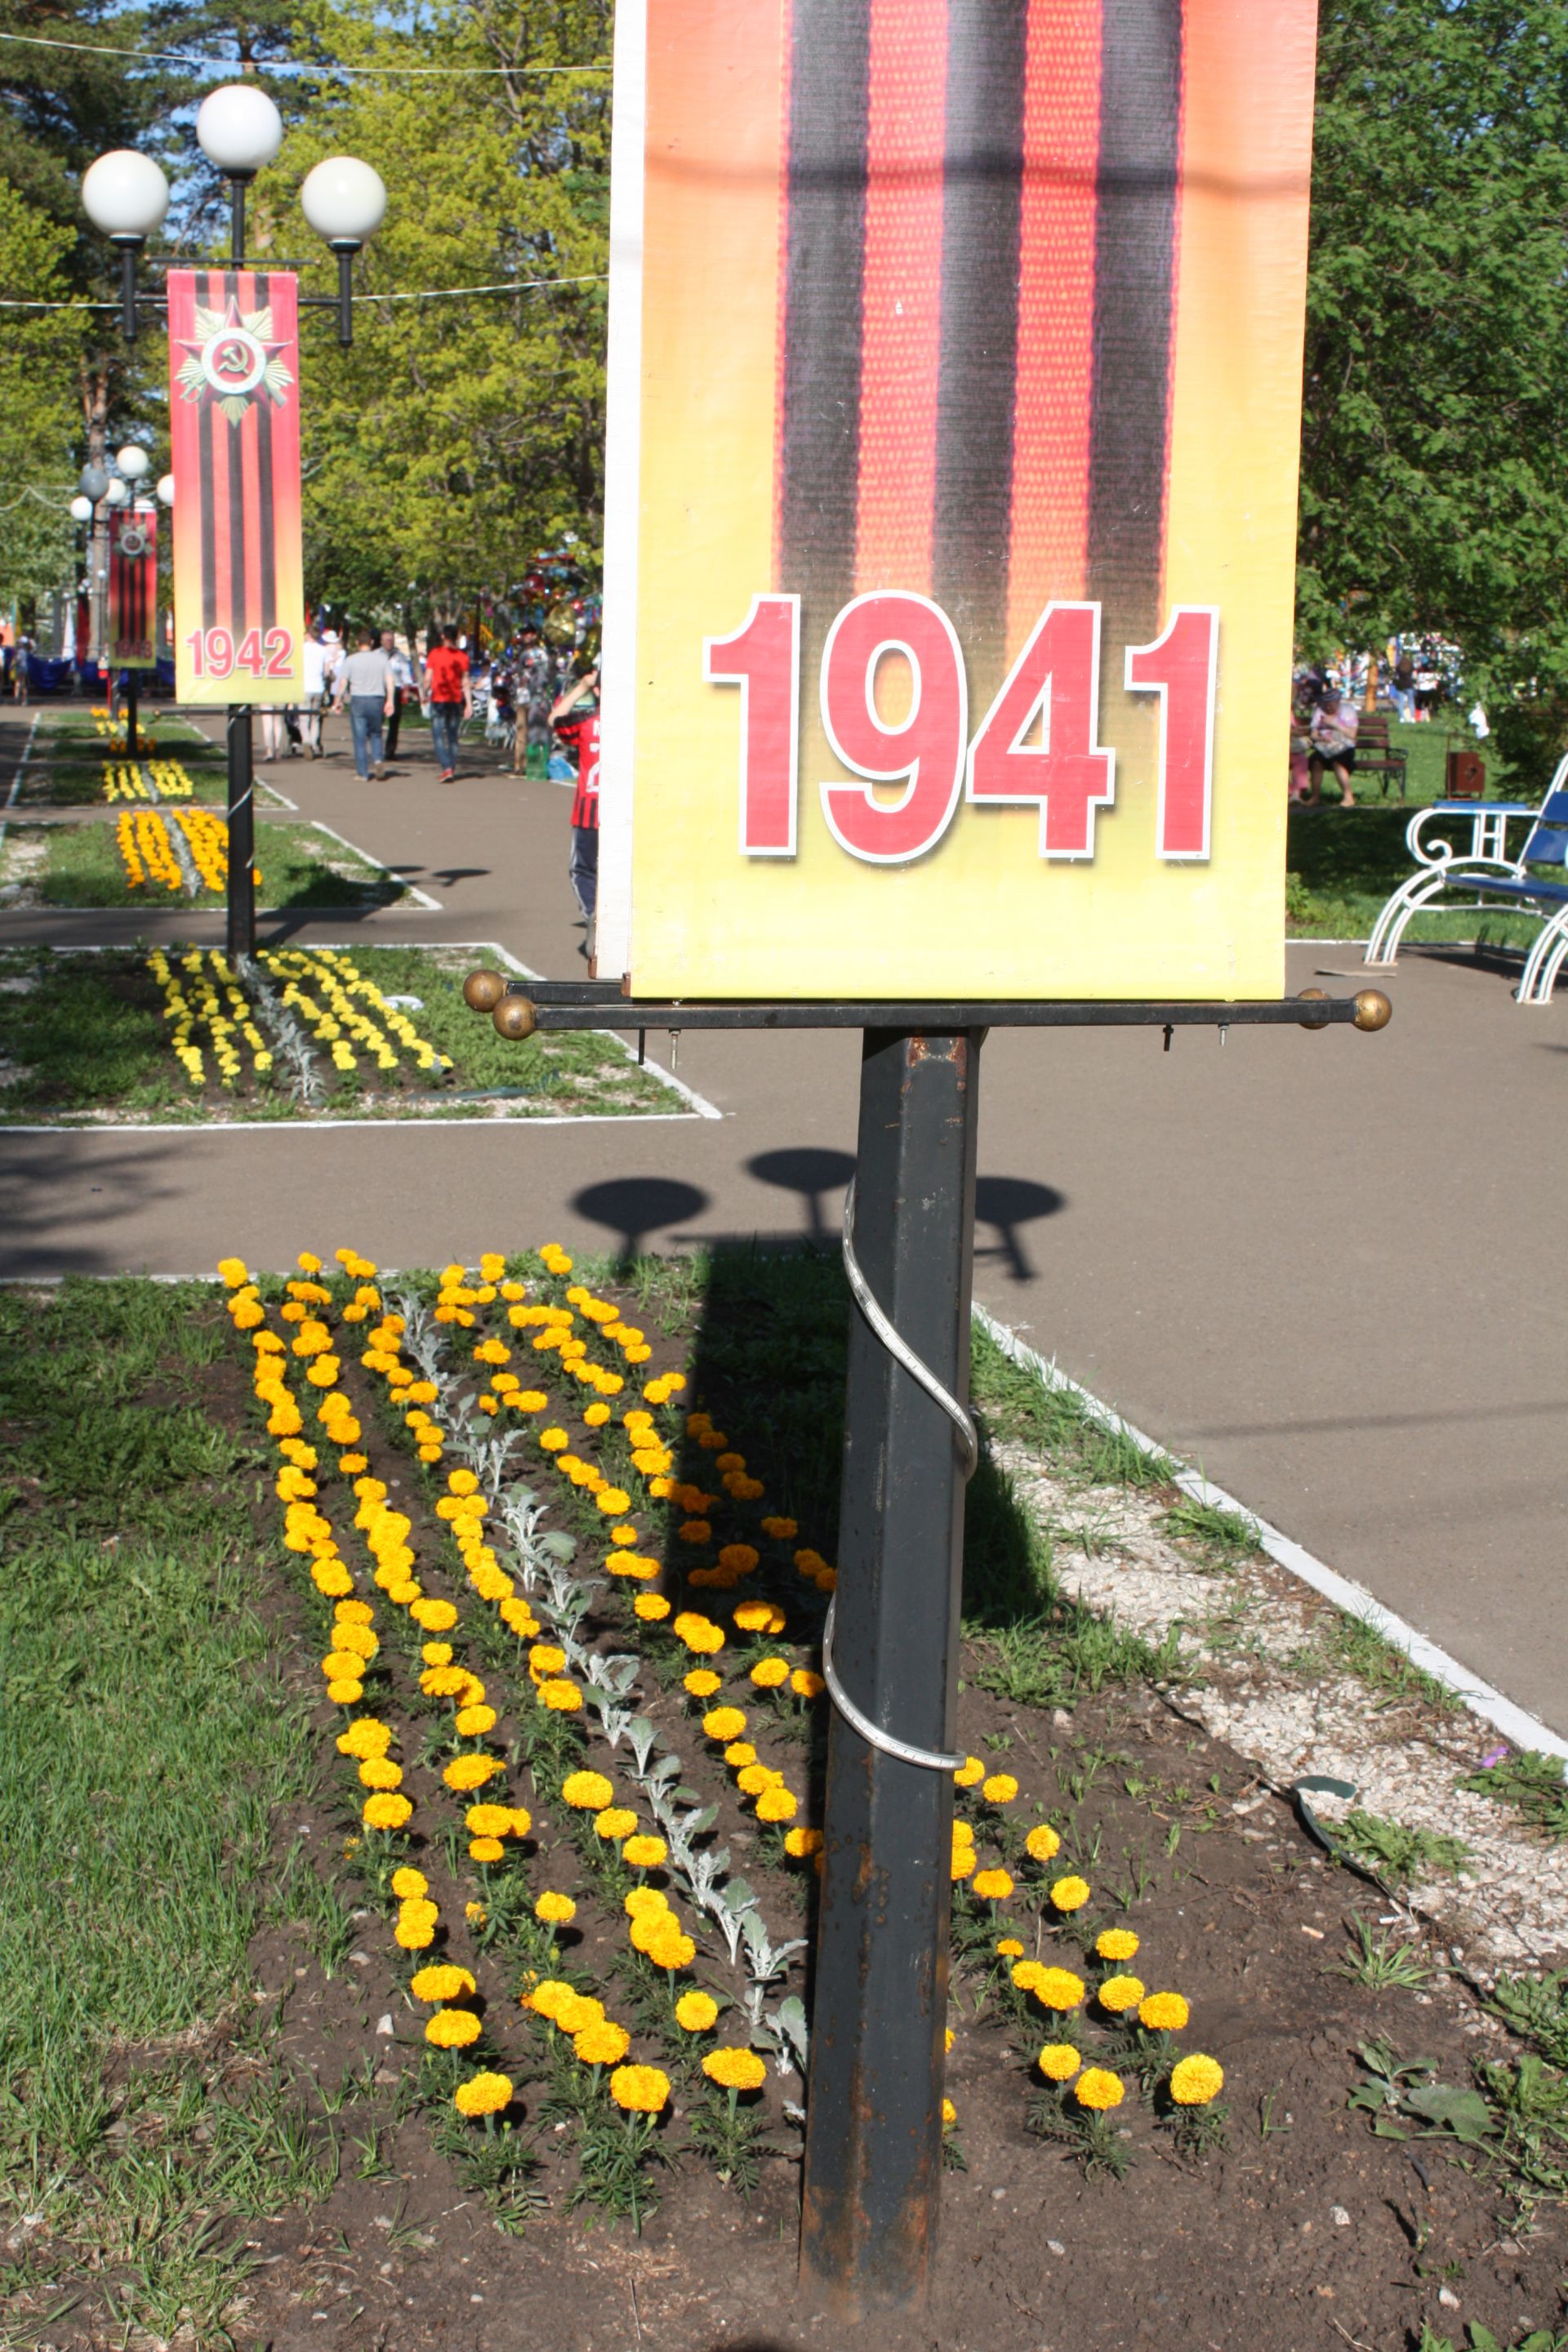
873	2152
132	748
241	833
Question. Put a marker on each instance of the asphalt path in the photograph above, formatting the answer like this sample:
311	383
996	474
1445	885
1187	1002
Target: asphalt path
1325	1267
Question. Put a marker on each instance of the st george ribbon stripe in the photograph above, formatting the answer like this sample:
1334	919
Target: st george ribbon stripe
985	81
824	278
1134	310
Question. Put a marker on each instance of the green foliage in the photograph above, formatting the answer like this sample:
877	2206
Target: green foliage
1400	1854
1536	2008
1379	1963
457	436
1435	455
38	405
1533	1783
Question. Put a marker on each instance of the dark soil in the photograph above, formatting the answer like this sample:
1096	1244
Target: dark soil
1238	2252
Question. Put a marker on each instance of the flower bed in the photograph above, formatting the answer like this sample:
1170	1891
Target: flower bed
299	1033
427	2039
73	763
143	856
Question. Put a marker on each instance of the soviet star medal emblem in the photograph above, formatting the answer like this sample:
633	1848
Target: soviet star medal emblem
232	360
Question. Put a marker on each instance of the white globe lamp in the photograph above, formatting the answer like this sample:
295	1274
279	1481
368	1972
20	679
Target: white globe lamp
345	201
116	494
238	128
166	490
132	461
81	510
125	195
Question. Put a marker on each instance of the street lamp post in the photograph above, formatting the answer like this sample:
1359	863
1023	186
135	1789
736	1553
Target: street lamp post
126	196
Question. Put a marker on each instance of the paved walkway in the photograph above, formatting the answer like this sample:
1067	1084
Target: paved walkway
1323	1267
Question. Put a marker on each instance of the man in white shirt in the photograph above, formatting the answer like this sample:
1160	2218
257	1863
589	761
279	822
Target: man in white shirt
315	692
365	682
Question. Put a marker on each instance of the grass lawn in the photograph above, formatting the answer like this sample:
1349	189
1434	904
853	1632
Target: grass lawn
85	1036
80	865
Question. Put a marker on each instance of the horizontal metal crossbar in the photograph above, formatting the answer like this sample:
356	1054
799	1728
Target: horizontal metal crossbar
588	1004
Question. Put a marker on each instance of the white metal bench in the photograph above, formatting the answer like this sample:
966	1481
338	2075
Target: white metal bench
1485	876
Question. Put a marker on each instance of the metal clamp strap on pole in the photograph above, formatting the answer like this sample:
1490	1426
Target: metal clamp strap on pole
902	1353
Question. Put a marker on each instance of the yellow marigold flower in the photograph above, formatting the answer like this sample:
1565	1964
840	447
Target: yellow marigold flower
724	1723
560	1697
799	1844
703	1683
948	2114
735	2070
408	1884
993	1885
452	2029
365	1738
543	1659
807	1684
1000	1788
672	1951
947	2043
643	1853
555	1440
415	1935
1069	1893
776	1805
443	1982
962	1831
1116	1944
970	1773
1042	1845
472	1722
597	1416
1097	2088
769	1673
602	2043
650	1607
615	1823
574	2011
587	1792
233	1272
554	1909
380	1772
482	2094
742	1557
435	1616
1164	2012
739	1752
1118	1993
465	1772
1052	1988
543	1997
1197	2080
753	1779
475	1914
695	1531
385	1810
644	1899
1010	1949
757	1617
782	1531
695	2012
438	1653
640	2090
698	1633
964	1862
613	1501
1058	2062
488	1821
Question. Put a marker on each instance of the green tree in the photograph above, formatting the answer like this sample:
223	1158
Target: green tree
39	414
1434	451
458	435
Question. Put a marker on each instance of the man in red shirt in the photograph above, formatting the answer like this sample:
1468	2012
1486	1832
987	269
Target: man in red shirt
581	737
448	700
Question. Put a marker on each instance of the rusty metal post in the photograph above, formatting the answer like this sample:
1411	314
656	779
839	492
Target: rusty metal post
873	2152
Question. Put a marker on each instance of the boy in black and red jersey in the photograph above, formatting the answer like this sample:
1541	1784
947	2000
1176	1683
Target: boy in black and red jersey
581	736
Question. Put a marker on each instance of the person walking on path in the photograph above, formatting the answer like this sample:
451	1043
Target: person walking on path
365	681
581	735
402	670
1333	733
448	699
315	663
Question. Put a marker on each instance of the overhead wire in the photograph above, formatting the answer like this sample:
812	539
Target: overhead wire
422	294
291	64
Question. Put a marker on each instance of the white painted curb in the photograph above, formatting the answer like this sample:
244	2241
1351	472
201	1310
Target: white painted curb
1521	1731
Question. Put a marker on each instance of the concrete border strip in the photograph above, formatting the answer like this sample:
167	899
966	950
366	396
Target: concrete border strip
1519	1728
